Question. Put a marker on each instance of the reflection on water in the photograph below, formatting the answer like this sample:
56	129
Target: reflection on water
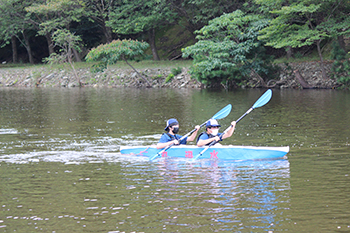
61	170
167	196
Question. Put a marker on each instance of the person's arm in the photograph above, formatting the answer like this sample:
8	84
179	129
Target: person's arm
194	134
230	131
162	145
204	141
165	141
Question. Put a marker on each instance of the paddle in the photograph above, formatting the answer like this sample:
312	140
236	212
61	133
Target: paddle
264	99
219	115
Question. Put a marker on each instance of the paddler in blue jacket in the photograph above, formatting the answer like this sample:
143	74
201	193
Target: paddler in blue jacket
212	133
171	136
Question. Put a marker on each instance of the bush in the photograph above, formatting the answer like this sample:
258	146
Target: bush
176	71
228	51
341	66
168	79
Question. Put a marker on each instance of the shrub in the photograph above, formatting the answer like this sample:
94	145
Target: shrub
176	71
341	65
168	79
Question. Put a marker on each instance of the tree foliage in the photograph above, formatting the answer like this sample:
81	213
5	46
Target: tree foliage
138	16
229	47
228	50
305	22
195	14
56	14
341	65
16	23
118	50
66	41
292	27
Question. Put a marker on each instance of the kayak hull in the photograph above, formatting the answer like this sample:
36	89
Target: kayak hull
214	152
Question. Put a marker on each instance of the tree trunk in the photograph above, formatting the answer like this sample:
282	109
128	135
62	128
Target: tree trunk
289	51
14	49
76	55
152	42
70	61
324	74
301	80
29	49
140	75
49	43
107	31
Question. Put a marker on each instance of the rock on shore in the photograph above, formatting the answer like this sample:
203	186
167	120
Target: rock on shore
112	77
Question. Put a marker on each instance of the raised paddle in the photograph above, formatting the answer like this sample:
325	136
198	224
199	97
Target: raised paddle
264	99
219	115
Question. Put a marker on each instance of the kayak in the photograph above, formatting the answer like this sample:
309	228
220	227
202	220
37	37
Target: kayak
214	152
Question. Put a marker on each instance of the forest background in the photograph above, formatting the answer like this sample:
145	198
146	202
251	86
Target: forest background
230	43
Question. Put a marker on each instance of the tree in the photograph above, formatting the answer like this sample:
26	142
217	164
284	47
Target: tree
53	15
15	23
138	16
68	42
99	11
117	50
228	50
305	22
341	65
197	13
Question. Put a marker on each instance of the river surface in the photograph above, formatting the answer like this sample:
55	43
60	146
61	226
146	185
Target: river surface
61	170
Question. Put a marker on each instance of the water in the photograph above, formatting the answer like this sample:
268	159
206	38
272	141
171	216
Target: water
61	170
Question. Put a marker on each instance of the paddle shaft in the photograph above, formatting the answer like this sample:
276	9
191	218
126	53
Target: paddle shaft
223	133
179	140
226	130
219	115
264	99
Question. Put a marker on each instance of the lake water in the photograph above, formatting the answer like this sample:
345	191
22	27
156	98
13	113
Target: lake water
61	170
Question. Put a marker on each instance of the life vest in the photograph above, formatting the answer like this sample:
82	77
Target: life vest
173	137
209	136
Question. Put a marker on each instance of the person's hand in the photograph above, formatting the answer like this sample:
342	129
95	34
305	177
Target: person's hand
197	127
176	142
233	123
217	138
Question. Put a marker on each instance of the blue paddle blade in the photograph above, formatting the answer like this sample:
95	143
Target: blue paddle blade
223	112
264	99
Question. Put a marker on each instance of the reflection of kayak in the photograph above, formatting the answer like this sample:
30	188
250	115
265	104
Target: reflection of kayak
214	152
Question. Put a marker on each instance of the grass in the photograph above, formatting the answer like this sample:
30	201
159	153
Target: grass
146	64
155	64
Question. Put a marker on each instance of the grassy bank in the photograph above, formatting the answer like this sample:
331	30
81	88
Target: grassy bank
120	65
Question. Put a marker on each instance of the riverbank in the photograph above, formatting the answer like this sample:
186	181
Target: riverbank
44	76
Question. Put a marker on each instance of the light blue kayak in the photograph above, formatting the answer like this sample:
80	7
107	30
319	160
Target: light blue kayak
214	152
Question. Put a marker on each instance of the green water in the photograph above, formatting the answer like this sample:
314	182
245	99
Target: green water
61	170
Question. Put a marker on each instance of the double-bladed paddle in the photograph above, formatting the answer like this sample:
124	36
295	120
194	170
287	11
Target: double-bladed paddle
219	115
264	99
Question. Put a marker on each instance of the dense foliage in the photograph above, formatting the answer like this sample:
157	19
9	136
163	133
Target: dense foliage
341	65
227	39
228	51
304	23
117	50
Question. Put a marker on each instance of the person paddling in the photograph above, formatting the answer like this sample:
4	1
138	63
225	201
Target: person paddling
171	137
212	133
